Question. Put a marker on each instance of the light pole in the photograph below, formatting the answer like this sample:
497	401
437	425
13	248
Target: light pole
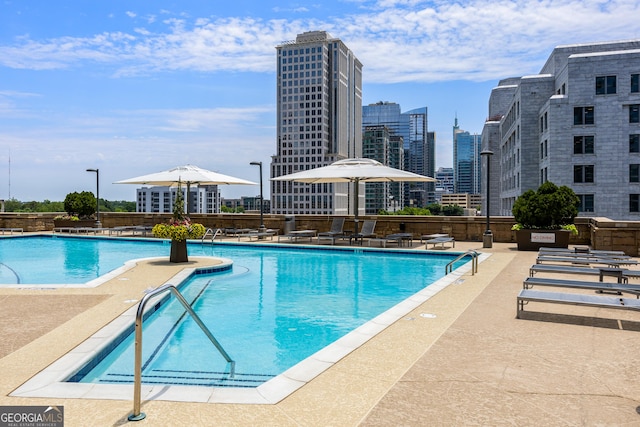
487	238
98	224
262	227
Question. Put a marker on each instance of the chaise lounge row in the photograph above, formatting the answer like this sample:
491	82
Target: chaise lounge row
583	262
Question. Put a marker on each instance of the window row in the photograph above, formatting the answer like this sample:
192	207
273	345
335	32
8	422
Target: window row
585	173
586	115
587	203
585	144
607	85
301	82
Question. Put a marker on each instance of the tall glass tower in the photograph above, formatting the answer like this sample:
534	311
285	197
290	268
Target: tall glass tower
466	161
319	121
419	145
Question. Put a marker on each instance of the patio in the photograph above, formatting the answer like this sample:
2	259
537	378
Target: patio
461	358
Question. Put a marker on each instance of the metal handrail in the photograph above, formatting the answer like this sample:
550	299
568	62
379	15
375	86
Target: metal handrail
137	387
214	234
474	262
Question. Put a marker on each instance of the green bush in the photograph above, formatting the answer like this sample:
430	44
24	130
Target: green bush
81	204
550	207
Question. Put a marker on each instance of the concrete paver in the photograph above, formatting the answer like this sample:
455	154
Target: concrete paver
469	362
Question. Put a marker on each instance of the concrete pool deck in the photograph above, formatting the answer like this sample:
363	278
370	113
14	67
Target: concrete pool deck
460	358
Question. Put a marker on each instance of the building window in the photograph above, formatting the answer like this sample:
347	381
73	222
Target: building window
634	143
635	84
634	202
605	85
583	173
583	116
586	203
583	144
634	113
634	172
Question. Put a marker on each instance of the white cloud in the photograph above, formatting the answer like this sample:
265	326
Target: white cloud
131	14
397	40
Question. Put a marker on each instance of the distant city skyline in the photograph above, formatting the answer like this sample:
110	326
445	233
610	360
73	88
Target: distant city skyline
142	87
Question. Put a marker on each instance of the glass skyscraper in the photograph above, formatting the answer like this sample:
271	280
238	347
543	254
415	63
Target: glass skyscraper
466	161
419	145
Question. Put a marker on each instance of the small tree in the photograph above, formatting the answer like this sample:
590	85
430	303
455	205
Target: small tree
81	204
550	207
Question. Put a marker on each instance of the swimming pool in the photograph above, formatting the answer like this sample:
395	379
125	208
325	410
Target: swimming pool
256	271
273	310
70	260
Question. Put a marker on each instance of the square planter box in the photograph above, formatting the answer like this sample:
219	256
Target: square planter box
533	240
68	223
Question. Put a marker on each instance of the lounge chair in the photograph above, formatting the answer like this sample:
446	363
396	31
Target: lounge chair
585	260
367	231
569	269
334	233
600	287
527	295
579	250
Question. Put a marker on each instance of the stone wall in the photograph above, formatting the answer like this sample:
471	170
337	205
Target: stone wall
461	227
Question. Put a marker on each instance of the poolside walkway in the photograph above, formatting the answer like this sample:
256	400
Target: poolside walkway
461	358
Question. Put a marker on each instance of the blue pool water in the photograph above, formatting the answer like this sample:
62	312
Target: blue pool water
68	260
275	307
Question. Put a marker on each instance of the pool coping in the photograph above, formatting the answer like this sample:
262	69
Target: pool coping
51	381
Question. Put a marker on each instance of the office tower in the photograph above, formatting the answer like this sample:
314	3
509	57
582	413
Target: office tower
576	123
419	145
159	199
319	121
444	183
381	144
466	161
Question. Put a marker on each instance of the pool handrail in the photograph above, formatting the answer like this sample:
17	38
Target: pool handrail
213	233
474	262
137	386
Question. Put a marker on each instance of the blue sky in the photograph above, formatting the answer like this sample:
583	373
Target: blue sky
134	87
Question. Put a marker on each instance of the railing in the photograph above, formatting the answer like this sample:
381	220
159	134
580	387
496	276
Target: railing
474	262
137	386
213	234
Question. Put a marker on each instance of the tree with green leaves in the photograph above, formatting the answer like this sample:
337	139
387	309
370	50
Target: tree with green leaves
82	204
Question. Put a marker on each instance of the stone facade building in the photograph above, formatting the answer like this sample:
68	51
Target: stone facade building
576	123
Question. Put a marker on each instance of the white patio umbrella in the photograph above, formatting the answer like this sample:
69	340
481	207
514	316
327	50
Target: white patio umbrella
187	174
354	170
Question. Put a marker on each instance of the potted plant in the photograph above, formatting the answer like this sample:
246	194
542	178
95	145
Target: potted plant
179	229
80	208
545	217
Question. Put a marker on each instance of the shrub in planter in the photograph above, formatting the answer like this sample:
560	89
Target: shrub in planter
179	229
549	208
81	204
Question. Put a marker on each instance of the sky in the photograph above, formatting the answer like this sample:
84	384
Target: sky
136	87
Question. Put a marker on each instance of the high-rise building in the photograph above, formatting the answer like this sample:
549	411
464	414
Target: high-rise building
466	161
381	144
319	121
419	145
444	182
576	123
159	199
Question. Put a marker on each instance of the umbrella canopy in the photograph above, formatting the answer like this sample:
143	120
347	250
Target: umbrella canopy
356	171
187	174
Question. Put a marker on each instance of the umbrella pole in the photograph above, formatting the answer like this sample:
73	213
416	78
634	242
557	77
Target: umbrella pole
355	204
188	185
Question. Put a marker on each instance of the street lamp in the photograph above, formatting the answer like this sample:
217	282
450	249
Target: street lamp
487	238
262	227
98	224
